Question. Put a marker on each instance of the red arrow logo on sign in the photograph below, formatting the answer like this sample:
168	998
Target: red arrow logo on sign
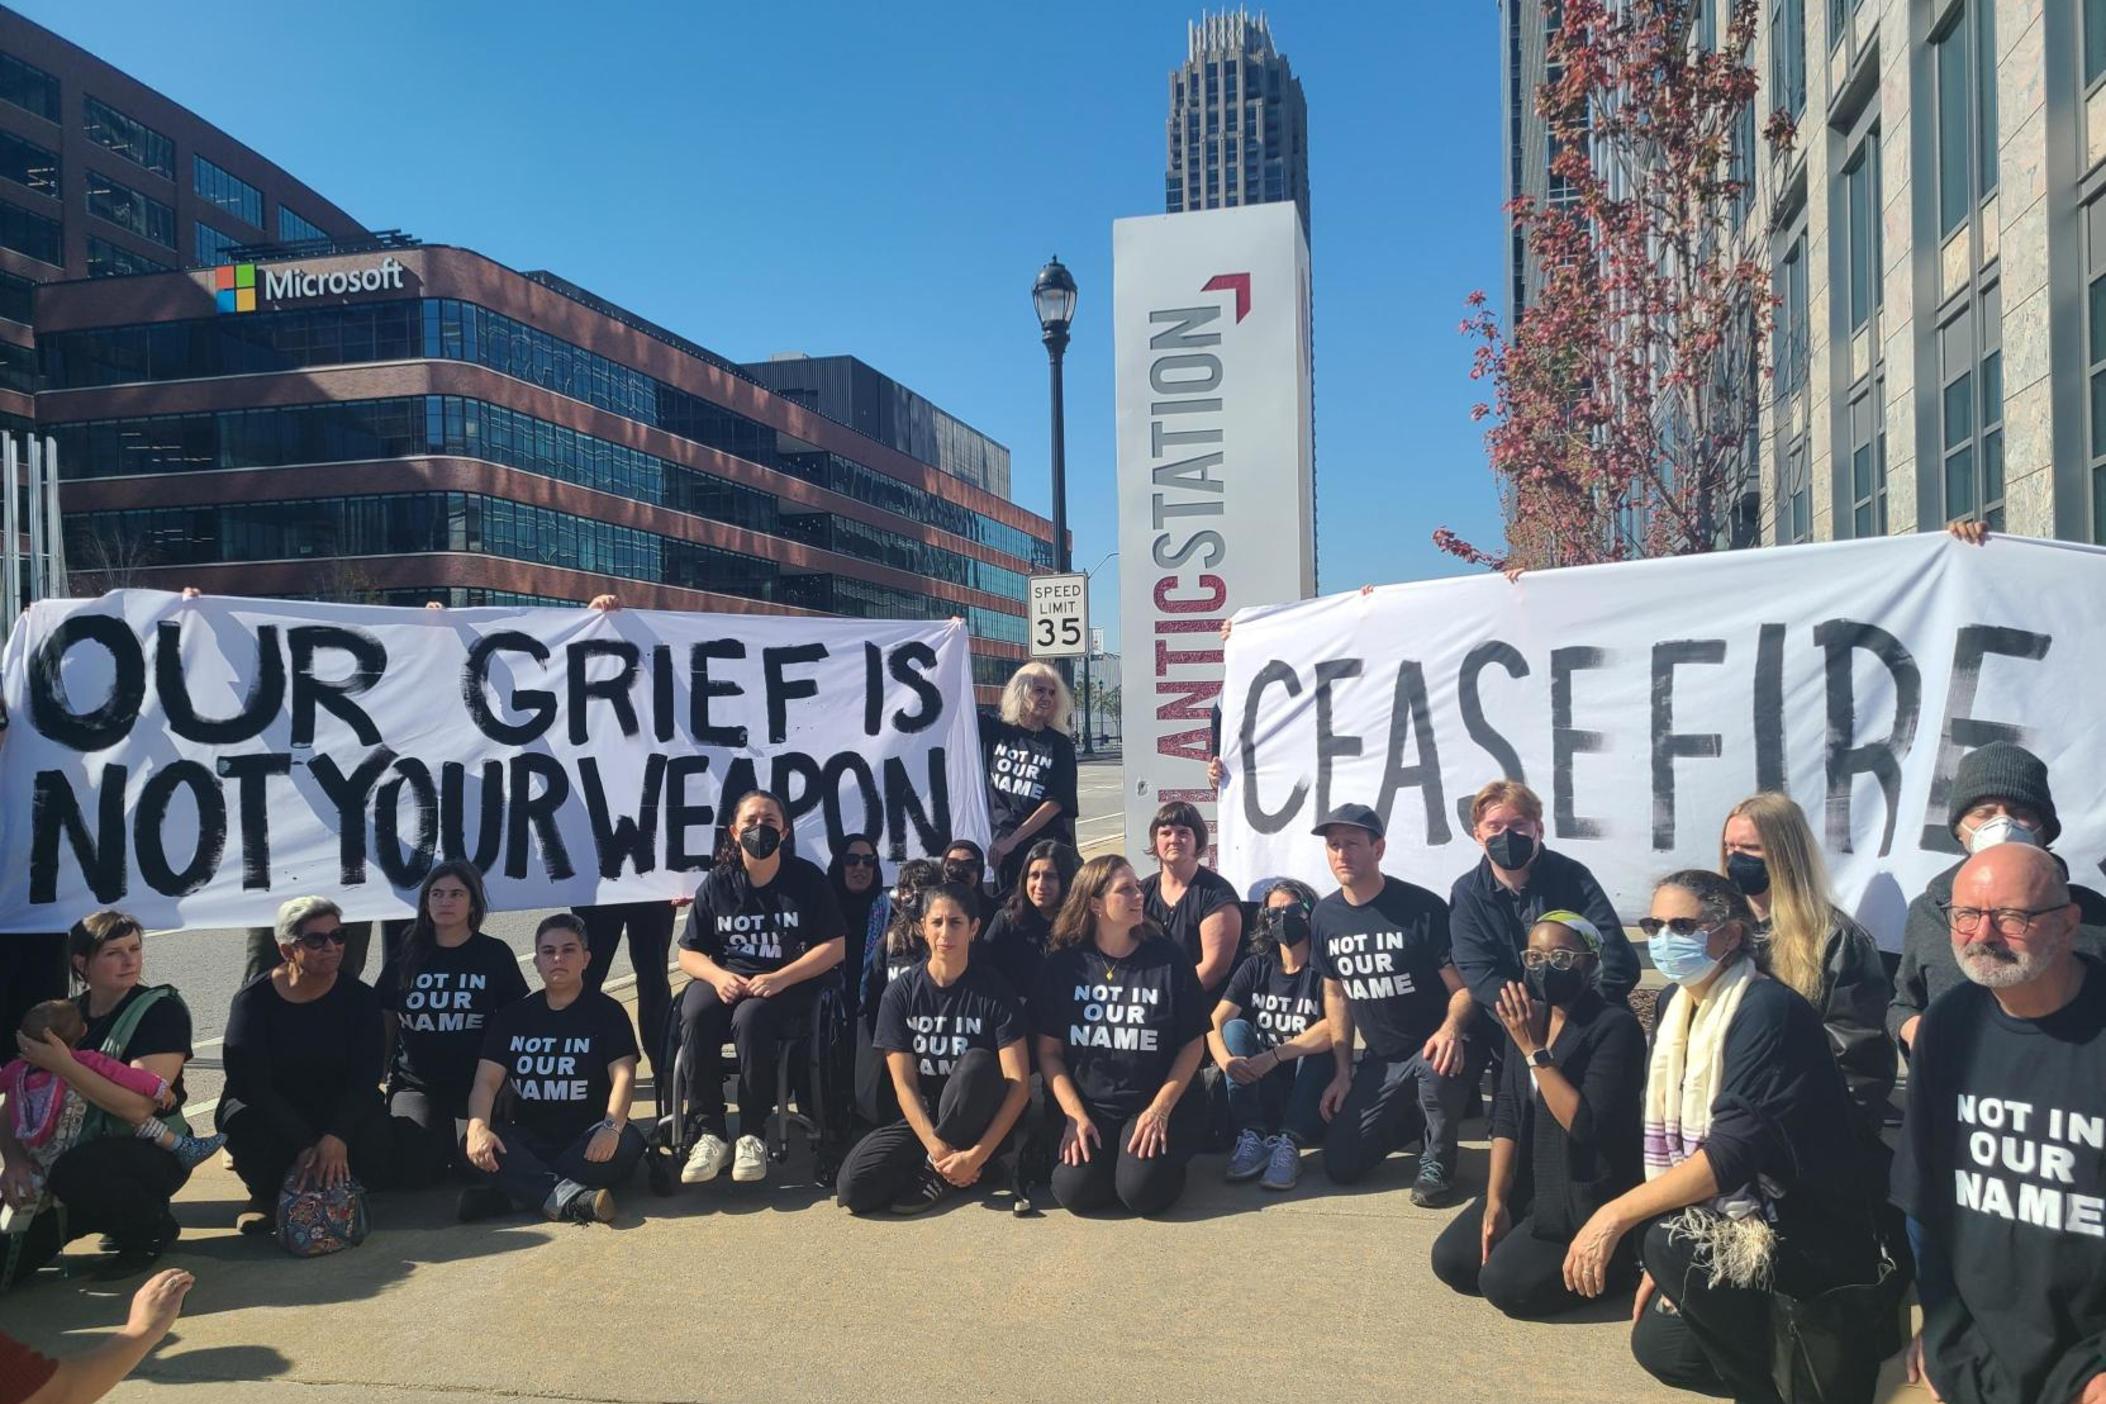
1240	283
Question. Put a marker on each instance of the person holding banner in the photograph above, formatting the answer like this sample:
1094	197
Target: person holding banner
1381	946
1030	768
112	1182
303	1060
1999	795
1189	903
1803	939
763	931
1749	1193
1121	1026
437	997
569	1056
1492	907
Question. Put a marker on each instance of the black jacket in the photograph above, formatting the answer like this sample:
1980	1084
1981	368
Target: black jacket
1561	1177
1927	967
1854	994
1488	925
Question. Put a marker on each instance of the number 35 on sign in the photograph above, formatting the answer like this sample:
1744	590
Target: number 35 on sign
1060	615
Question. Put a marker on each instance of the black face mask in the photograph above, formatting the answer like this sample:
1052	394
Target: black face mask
1511	850
1749	873
1289	925
1554	986
760	842
964	874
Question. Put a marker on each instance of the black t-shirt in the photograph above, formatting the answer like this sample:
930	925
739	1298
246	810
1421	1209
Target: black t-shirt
939	1026
312	1068
559	1061
440	1018
749	930
2001	1162
1121	1022
1206	894
1281	1007
1025	768
163	1028
1389	956
1015	944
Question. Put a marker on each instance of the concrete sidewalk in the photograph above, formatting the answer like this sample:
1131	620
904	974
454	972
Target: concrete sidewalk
769	1292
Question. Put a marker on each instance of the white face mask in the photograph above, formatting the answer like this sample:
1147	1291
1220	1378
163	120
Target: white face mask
2001	829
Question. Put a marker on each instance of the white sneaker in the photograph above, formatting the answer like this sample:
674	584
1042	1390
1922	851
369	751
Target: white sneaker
706	1161
749	1163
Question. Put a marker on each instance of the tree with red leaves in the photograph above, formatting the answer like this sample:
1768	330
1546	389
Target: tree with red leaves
1626	400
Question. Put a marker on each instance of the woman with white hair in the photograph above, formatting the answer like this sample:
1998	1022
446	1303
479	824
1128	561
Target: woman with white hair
303	1054
1030	769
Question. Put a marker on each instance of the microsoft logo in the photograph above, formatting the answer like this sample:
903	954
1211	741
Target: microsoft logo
236	286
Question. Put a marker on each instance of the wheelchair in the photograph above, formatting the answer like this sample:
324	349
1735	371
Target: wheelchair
813	1071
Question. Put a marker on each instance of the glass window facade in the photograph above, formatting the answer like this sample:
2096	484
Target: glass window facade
16	298
29	233
128	137
211	245
1964	65
1861	231
29	165
129	209
2094	41
227	191
107	260
18	368
1788	56
29	87
1971	412
294	227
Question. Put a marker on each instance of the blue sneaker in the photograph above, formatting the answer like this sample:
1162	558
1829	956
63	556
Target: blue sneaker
1247	1160
1283	1167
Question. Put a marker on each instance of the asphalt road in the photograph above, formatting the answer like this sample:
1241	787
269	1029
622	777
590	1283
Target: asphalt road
206	964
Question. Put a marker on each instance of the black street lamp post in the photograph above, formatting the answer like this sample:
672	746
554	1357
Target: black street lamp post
1053	296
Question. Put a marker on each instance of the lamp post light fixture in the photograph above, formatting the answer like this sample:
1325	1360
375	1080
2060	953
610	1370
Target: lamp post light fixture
1053	295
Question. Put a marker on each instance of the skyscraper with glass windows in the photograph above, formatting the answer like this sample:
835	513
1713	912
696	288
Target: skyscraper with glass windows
1239	127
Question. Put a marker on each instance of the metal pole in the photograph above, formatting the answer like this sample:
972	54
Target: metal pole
1056	347
54	530
1087	747
36	520
10	525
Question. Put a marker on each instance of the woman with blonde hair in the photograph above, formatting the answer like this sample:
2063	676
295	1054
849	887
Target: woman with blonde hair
1802	939
1030	769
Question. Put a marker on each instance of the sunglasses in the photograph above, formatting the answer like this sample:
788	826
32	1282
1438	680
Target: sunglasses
1681	926
315	940
859	860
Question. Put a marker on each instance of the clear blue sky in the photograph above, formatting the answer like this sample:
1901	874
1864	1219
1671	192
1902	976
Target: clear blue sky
885	180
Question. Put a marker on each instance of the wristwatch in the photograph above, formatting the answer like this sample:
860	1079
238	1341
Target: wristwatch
1541	1058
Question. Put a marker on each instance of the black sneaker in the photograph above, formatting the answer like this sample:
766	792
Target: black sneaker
480	1202
1433	1189
594	1206
928	1192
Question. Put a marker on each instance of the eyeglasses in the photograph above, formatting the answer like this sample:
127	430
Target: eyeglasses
1680	926
315	940
1560	959
859	860
2009	921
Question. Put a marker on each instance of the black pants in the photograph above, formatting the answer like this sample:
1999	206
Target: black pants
1717	1340
358	941
426	1139
1525	1275
118	1185
650	929
1114	1175
264	1151
32	970
546	1174
1391	1101
754	1027
884	1164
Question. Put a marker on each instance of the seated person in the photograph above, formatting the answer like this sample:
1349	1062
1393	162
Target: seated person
763	930
953	1038
1015	941
965	866
1273	1044
303	1072
898	950
437	995
1121	1026
568	1056
1565	1129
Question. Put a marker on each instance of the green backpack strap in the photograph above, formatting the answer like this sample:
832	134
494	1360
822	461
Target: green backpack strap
100	1123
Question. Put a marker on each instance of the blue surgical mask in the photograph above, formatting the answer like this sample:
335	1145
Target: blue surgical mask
1682	959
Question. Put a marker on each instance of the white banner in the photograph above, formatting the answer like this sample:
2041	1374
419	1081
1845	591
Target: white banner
198	762
1644	700
1217	505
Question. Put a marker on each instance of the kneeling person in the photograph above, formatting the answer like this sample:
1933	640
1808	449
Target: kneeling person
570	1057
953	1040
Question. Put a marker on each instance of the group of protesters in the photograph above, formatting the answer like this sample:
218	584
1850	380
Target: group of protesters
1717	1148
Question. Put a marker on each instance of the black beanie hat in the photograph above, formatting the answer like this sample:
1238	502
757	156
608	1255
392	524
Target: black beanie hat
2006	771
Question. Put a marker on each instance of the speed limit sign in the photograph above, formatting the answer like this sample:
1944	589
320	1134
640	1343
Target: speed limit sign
1060	615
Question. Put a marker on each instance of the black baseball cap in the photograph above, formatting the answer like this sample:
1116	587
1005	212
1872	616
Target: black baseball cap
1357	815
